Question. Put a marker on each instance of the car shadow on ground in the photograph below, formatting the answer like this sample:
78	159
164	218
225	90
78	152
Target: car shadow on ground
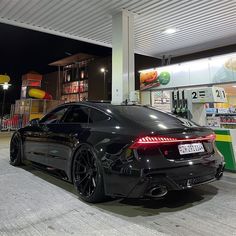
174	201
50	178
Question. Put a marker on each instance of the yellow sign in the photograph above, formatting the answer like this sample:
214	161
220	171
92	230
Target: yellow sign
223	138
4	79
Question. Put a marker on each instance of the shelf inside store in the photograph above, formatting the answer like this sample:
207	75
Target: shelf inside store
74	93
69	82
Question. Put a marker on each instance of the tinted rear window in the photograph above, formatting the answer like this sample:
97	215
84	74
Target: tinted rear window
139	113
149	115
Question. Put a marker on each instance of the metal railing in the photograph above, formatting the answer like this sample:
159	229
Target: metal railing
26	109
14	123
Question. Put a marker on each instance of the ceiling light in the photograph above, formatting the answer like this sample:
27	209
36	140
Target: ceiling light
169	31
234	86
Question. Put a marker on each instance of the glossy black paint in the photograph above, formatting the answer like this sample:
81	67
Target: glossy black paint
126	172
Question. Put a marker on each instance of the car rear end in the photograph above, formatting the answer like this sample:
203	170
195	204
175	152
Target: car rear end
178	160
171	155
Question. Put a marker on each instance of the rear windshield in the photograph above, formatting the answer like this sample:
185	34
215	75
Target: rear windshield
142	114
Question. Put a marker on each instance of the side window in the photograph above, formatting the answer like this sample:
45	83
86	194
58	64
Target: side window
77	114
54	116
96	116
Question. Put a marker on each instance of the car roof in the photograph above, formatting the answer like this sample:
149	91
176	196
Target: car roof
100	105
89	103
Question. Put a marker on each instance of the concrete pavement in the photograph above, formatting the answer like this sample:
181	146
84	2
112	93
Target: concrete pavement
35	203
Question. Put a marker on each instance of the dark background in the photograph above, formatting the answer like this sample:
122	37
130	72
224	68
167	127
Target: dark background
23	50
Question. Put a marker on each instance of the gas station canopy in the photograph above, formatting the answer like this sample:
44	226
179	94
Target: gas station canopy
160	27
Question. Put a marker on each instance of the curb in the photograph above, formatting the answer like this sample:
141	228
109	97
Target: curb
5	134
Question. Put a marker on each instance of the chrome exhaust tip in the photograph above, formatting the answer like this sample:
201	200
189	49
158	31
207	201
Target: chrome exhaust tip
220	171
219	175
157	192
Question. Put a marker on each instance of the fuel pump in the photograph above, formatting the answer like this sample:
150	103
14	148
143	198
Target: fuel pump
190	103
179	103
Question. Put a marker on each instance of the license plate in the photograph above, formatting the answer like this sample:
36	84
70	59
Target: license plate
190	148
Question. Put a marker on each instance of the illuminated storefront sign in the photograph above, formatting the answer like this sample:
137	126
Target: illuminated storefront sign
214	70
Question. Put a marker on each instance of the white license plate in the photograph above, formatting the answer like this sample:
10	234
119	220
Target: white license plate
190	148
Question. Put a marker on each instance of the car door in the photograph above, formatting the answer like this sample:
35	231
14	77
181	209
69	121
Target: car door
36	136
35	143
63	135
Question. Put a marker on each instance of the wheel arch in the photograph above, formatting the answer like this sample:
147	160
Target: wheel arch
73	154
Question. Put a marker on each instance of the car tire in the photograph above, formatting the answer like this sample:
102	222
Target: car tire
87	175
16	150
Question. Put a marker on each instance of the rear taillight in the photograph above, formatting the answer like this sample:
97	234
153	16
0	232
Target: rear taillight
159	140
211	137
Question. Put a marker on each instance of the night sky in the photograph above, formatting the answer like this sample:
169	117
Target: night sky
23	50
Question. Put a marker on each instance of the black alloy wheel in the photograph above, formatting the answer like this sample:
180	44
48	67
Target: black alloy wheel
87	175
15	150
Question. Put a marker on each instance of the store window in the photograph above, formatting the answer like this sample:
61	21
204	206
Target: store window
161	100
75	82
223	115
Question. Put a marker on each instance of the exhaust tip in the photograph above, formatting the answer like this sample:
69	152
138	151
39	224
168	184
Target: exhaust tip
220	172
219	175
157	192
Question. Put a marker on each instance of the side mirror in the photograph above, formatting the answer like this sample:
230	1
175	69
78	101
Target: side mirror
34	122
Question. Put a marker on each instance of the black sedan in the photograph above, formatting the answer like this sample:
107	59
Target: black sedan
119	150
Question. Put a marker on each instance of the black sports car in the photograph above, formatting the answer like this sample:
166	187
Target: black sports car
119	150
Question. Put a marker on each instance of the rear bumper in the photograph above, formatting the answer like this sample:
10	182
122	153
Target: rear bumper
171	179
137	176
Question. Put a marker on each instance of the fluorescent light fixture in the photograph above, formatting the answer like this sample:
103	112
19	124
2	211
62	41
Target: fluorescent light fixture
170	30
234	86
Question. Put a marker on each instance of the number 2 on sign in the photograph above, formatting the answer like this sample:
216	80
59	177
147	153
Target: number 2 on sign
194	95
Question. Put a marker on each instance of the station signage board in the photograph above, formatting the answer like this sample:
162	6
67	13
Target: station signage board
214	70
208	94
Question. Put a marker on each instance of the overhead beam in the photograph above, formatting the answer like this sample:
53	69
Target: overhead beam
53	32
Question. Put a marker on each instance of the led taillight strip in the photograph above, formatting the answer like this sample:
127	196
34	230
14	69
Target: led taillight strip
164	140
148	139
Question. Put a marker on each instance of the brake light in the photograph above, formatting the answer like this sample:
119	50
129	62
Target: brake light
211	137
159	140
